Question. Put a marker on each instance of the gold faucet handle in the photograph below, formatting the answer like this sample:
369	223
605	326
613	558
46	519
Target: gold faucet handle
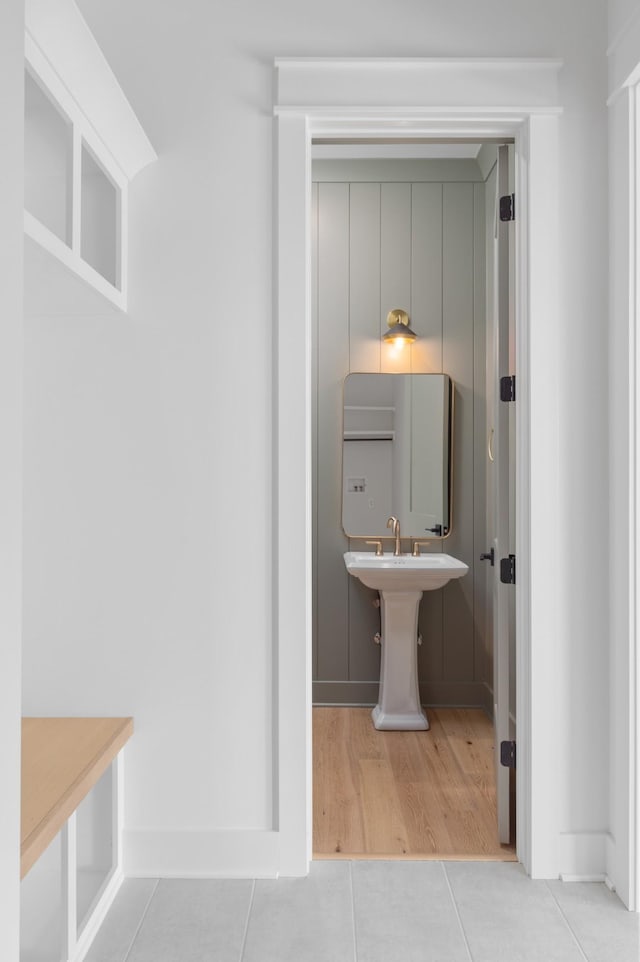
378	545
416	547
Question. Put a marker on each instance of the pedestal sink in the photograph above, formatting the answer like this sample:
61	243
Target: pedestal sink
401	580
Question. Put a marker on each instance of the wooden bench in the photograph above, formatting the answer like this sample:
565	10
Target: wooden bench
63	759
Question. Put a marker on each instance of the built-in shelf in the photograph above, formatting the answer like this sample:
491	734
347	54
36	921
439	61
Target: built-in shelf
71	838
83	146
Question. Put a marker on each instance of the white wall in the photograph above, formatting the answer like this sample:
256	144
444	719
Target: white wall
621	12
11	202
624	56
149	437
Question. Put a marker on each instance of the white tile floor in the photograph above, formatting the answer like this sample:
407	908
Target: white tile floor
370	912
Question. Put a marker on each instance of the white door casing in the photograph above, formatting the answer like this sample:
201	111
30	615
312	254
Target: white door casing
440	99
623	842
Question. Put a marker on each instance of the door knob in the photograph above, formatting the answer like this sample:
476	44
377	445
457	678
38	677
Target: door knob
488	556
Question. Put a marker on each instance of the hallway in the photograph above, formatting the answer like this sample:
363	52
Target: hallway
369	911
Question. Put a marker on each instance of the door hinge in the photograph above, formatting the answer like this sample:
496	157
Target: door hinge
508	754
508	207
508	388
508	570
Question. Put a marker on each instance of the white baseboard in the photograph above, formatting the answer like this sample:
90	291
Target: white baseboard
599	877
229	853
583	856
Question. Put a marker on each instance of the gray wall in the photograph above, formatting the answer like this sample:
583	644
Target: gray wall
405	234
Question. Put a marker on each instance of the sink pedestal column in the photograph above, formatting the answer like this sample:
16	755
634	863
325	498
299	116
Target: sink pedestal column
398	707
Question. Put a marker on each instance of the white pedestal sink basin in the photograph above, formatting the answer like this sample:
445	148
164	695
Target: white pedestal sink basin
401	580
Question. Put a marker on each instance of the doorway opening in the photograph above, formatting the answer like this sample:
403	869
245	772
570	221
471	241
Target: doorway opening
465	99
413	225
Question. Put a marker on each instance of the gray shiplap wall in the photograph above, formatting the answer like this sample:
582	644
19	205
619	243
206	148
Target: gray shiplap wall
414	238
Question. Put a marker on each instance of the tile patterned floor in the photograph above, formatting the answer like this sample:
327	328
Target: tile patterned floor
370	911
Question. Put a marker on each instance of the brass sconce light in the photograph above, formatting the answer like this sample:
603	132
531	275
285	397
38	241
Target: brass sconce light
399	332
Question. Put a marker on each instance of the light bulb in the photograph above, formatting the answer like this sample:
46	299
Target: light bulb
399	343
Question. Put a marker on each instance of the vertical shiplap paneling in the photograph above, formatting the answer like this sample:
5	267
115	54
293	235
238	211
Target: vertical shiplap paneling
333	365
387	239
314	423
364	353
364	294
426	356
364	622
458	361
395	263
480	571
426	277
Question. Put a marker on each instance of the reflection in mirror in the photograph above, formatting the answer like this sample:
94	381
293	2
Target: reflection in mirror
396	454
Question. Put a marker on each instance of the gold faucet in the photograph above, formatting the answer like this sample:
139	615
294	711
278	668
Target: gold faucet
394	524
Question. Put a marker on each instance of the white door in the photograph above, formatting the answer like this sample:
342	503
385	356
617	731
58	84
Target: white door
501	486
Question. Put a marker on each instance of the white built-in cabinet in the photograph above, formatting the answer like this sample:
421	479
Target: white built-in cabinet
83	146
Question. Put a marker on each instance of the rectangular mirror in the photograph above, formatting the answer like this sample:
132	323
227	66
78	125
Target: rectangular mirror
397	454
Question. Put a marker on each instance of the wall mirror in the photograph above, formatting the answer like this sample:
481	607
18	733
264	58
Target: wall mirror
397	454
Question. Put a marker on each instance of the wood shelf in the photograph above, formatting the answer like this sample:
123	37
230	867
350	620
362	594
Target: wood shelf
62	759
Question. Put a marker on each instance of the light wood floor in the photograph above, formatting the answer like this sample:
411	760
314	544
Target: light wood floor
404	794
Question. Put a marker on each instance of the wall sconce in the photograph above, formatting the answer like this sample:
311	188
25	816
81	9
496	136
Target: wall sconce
399	332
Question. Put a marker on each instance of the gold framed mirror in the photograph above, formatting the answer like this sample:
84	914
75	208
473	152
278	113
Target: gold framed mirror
397	454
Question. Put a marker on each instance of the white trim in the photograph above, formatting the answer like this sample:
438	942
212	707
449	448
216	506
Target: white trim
117	811
553	64
64	52
461	151
634	652
292	524
437	82
633	755
68	876
535	137
105	896
98	914
597	877
49	81
72	261
231	853
65	61
325	113
622	852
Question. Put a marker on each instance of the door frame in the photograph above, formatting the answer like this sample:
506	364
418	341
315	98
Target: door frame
358	99
623	844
